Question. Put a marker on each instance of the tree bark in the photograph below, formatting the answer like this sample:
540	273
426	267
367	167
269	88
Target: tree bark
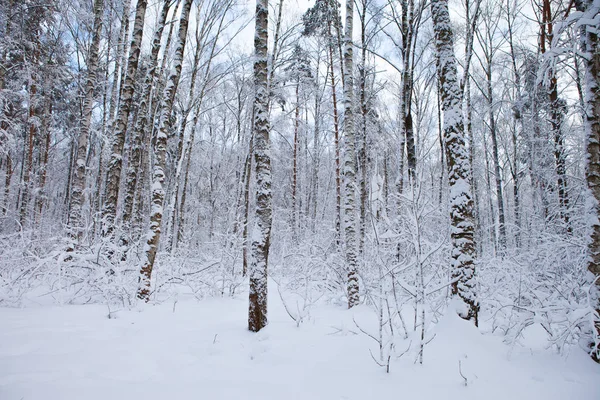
592	110
350	163
160	150
257	310
461	202
142	121
295	164
113	178
336	138
79	177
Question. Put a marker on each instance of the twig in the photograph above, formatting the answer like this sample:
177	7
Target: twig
460	372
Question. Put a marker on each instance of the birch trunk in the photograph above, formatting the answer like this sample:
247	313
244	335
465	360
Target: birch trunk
160	150
408	30
120	58
336	132
349	163
79	177
295	164
461	202
592	110
142	122
113	178
364	111
261	237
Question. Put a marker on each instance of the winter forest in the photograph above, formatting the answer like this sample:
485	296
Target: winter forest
313	199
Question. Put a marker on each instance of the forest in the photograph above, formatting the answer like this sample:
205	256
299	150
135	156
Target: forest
393	181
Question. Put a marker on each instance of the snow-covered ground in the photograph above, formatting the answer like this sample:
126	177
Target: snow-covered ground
202	350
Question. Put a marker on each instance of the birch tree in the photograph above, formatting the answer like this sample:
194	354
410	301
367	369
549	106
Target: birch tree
319	20
261	237
142	121
160	150
461	202
349	168
591	50
79	178
113	177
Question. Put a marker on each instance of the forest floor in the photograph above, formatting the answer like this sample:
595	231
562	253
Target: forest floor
201	349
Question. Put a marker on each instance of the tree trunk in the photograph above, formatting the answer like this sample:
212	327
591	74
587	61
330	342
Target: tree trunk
257	310
592	64
120	59
295	165
142	121
44	159
349	163
248	176
408	30
556	116
113	177
7	179
364	111
160	150
461	202
517	113
28	158
497	171
336	138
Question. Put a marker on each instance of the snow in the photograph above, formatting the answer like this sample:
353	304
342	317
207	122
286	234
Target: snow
202	349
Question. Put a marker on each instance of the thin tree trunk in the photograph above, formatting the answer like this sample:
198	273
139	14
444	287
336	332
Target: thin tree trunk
350	164
496	158
120	58
556	116
142	121
44	159
160	150
517	113
271	65
362	154
441	141
336	132
200	45
190	145
408	30
248	176
488	181
295	164
113	178
7	179
29	149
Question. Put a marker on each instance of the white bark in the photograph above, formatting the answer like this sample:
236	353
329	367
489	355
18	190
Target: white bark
160	150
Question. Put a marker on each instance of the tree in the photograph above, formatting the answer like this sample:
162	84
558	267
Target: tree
556	110
319	20
79	178
461	202
160	150
261	238
486	35
591	49
113	177
142	120
299	71
349	170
